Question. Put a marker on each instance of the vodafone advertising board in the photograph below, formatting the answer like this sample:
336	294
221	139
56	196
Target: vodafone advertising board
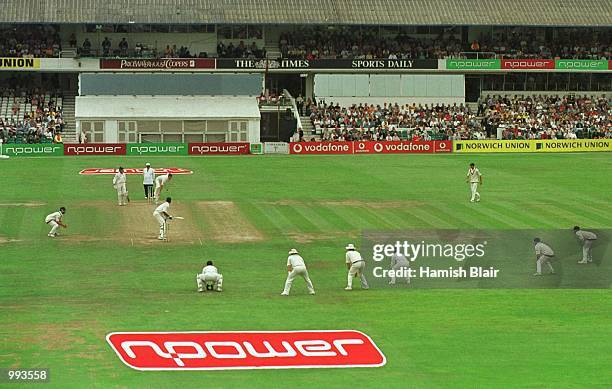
371	147
321	148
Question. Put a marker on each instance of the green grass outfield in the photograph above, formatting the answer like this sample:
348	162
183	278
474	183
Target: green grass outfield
59	298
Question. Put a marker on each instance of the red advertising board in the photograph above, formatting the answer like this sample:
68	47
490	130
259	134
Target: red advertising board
393	147
321	148
443	146
528	64
158	64
95	149
235	148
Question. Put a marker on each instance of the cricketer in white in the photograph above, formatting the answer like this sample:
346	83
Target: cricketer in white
160	183
544	253
161	215
474	178
209	274
587	238
55	221
296	267
119	183
356	266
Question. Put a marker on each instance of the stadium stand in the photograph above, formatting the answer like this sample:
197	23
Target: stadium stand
372	12
515	117
31	116
372	42
29	41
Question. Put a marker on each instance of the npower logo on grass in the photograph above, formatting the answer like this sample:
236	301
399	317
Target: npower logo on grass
33	150
245	350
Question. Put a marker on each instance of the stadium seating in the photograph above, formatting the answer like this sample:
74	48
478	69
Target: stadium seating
517	117
30	116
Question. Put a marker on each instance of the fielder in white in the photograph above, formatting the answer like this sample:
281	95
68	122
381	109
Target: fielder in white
587	238
544	254
356	266
119	183
148	180
55	221
401	265
162	216
160	183
209	274
474	178
296	267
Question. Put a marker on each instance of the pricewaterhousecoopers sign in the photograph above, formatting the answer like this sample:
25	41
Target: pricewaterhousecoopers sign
326	64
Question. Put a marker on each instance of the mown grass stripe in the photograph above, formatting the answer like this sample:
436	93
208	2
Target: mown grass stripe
534	221
492	208
275	217
494	221
572	218
308	212
293	213
430	214
458	220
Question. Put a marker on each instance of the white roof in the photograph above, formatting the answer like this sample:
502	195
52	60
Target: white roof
165	107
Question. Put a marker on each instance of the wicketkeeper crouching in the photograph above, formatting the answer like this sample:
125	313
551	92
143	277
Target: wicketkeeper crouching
210	278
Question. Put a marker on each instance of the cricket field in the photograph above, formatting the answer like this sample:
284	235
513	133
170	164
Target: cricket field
108	273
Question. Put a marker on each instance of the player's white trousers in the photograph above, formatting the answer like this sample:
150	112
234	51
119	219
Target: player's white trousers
157	193
357	269
162	224
475	194
121	194
217	278
54	227
298	271
543	259
587	255
401	268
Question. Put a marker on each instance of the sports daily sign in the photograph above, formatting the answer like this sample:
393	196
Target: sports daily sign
326	64
157	149
245	350
33	150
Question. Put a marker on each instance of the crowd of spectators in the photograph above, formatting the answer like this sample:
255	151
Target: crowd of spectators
240	50
30	41
520	117
321	43
548	117
525	43
350	42
34	116
375	122
337	42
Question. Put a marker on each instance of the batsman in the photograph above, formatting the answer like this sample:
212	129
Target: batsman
162	216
